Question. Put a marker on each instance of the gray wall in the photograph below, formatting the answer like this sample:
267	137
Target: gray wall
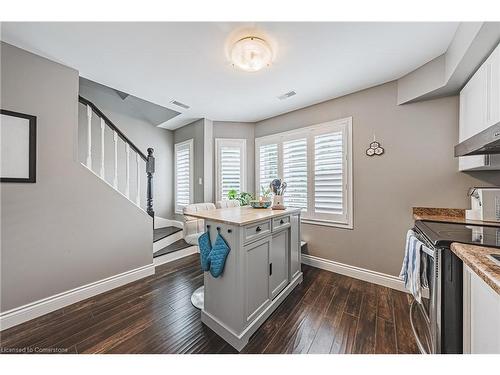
204	152
239	130
195	131
142	133
69	228
445	75
418	169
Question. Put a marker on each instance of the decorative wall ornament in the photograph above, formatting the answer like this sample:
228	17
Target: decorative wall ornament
375	148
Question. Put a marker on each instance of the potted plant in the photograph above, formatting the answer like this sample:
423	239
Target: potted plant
244	198
265	193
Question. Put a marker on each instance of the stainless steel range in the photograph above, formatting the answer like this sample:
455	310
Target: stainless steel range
442	311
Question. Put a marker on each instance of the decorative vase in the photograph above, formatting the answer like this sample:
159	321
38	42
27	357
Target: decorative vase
278	202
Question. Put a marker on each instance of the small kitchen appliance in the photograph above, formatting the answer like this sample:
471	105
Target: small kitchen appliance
485	204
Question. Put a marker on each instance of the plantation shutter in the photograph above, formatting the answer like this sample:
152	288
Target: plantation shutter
328	174
316	163
230	169
182	176
268	165
295	172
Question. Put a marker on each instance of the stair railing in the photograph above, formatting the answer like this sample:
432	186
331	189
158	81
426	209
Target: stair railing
129	147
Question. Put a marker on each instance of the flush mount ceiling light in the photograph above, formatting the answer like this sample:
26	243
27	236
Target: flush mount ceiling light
251	54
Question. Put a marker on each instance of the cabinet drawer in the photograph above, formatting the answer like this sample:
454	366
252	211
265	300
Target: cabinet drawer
281	222
257	230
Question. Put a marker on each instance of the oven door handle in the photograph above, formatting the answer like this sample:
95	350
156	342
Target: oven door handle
420	345
427	248
428	251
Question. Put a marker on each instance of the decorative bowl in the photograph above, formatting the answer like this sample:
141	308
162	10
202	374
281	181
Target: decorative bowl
260	204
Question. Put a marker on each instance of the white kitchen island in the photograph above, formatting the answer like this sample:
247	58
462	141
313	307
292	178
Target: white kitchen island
261	269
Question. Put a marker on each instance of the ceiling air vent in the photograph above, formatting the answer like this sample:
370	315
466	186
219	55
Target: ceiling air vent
179	104
287	95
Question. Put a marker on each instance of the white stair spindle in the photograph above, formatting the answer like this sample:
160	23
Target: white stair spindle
127	173
115	178
101	172
89	137
137	196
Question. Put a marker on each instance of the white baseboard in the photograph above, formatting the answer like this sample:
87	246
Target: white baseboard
175	255
176	223
161	222
374	277
44	306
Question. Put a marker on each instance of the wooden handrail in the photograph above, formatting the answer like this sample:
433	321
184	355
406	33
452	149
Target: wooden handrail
84	101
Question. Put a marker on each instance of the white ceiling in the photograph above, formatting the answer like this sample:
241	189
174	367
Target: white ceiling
187	62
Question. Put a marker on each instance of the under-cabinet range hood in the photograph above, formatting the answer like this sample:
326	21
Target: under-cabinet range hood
486	142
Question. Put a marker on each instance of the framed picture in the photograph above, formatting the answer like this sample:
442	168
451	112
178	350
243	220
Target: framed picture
17	147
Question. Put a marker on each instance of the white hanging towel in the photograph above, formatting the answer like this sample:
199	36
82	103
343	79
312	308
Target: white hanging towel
413	276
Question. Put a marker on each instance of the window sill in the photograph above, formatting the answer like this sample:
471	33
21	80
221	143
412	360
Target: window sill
327	223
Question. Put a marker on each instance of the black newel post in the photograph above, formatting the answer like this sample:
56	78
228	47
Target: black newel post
150	169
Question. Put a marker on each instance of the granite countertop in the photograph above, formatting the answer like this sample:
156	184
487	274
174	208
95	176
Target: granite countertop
476	258
447	215
241	215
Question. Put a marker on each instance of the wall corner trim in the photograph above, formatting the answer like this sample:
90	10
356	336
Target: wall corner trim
374	277
44	306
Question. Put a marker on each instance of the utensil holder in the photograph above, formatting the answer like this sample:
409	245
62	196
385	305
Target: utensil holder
278	202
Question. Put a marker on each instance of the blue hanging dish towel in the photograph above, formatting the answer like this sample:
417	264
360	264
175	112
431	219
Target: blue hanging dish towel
218	256
205	249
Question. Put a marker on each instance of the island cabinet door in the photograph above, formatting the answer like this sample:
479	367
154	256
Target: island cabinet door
278	262
257	277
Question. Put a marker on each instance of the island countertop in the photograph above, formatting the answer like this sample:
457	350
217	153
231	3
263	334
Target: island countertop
241	215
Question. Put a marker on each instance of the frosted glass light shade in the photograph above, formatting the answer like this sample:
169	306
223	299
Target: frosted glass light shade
251	54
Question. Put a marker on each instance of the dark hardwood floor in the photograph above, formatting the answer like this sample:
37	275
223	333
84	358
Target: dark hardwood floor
327	313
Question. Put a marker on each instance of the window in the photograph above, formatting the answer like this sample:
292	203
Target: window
183	175
328	174
316	164
230	162
267	165
295	172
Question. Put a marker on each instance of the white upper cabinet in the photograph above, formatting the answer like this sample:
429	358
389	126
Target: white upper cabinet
473	108
493	93
479	109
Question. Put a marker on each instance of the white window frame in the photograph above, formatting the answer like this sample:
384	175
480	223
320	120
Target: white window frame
235	142
308	216
189	142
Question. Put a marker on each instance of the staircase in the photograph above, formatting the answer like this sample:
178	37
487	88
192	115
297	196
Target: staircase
116	169
109	165
169	244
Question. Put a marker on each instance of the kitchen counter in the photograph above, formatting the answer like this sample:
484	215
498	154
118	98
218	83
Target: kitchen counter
447	215
475	257
242	215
